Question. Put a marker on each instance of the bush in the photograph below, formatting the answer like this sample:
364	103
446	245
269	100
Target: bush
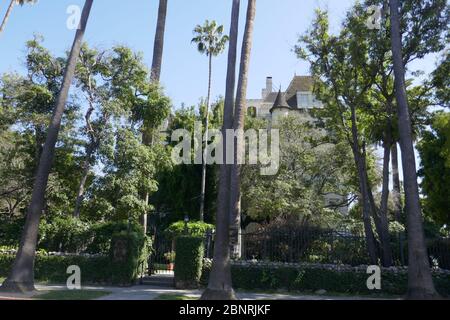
95	269
188	262
316	277
101	233
64	234
194	229
52	269
10	231
129	255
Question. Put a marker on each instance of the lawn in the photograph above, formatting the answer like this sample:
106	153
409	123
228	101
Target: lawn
72	295
174	297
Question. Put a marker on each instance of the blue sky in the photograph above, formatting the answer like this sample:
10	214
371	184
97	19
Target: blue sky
184	73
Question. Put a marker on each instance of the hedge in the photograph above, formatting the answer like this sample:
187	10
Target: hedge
52	269
313	278
125	269
188	262
95	269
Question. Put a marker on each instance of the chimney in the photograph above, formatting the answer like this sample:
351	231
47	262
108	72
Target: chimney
268	89
269	85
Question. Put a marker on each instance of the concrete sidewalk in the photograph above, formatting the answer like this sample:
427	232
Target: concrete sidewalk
142	292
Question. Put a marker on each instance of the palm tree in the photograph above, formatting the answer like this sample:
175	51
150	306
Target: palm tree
239	119
9	11
210	41
420	282
21	277
159	41
158	48
220	284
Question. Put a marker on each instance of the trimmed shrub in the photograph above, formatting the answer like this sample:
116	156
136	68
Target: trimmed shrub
129	255
194	229
315	277
100	235
95	269
52	269
188	262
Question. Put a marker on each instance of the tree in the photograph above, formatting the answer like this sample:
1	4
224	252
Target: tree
158	47
220	283
239	119
441	81
310	168
21	277
344	86
9	11
28	103
434	150
420	282
211	42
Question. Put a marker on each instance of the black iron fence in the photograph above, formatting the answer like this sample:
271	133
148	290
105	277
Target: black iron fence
330	247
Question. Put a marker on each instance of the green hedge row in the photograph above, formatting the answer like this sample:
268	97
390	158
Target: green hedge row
99	269
254	277
53	269
188	262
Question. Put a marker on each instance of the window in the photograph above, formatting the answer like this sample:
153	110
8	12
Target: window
306	100
251	112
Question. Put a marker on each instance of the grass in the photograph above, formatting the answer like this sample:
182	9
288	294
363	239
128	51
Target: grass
72	295
174	297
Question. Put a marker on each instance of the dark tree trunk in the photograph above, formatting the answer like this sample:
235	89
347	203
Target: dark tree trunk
159	41
239	119
220	284
205	150
364	191
21	277
84	176
386	250
396	187
420	282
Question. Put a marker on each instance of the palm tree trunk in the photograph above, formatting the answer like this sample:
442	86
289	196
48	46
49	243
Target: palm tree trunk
159	41
7	15
220	284
239	119
205	150
21	277
420	282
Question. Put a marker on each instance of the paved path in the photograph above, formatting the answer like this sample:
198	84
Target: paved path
141	292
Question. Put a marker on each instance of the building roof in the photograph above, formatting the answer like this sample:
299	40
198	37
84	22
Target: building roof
280	102
271	97
298	84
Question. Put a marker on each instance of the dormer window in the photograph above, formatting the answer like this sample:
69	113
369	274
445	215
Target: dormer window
306	100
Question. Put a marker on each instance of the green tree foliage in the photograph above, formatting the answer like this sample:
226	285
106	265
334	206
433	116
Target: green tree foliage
434	149
310	169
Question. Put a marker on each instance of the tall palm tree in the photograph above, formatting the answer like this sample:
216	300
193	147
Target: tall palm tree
220	284
420	282
159	41
158	48
21	277
9	11
239	119
210	41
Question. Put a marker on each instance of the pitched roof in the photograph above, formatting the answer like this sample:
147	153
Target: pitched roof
299	83
280	101
271	97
